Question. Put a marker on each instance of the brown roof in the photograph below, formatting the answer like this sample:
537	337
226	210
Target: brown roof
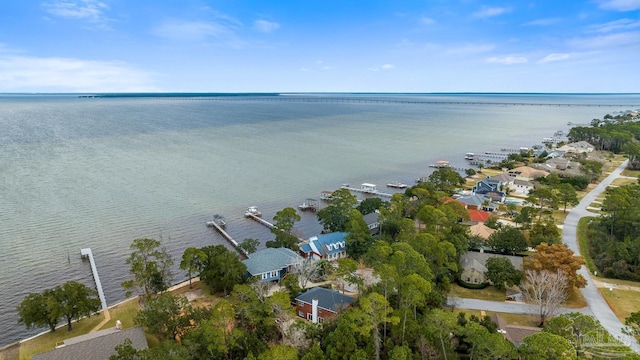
481	230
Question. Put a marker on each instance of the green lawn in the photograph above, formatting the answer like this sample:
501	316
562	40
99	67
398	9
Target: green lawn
621	302
488	293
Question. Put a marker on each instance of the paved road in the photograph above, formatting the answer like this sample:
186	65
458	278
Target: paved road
595	301
597	306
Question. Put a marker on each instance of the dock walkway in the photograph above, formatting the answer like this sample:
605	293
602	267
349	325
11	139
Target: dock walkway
228	237
265	223
86	253
367	188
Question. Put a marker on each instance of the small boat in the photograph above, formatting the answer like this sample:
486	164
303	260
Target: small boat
217	220
469	156
441	164
396	185
326	195
252	211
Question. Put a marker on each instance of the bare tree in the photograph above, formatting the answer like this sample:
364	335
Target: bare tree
306	270
546	291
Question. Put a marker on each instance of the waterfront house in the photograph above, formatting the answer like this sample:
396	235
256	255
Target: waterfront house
477	202
271	264
578	147
522	187
527	173
99	345
372	222
318	304
331	246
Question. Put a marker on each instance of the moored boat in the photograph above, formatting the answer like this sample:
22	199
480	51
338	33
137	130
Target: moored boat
252	211
396	185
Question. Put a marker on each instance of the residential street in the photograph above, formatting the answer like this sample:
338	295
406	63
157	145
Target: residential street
597	306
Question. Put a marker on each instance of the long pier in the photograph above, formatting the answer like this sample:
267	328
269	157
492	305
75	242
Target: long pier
265	223
86	253
228	237
366	190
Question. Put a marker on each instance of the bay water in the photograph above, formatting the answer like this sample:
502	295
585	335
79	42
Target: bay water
82	172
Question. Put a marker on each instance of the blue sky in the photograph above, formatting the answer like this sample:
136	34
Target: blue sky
319	46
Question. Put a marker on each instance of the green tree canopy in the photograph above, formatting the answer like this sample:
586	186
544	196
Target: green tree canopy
150	266
507	240
501	272
222	269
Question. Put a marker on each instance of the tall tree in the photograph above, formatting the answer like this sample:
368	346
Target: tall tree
283	226
164	315
546	291
76	300
374	311
39	310
545	231
249	245
567	195
592	169
558	257
222	269
545	345
507	240
544	198
358	237
193	260
446	179
501	272
150	266
335	216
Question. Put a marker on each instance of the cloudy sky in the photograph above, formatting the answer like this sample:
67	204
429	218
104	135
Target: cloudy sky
320	46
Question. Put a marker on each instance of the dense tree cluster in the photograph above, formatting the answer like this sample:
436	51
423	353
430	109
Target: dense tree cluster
614	237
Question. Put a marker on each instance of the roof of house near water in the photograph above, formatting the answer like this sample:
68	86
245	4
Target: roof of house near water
577	147
327	299
481	230
528	172
271	259
514	333
479	215
99	345
325	244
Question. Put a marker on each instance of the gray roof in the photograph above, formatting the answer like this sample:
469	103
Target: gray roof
96	346
467	259
327	299
271	259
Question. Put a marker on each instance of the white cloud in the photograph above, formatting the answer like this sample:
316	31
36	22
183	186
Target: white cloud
507	60
621	24
544	22
554	57
191	30
384	67
33	74
90	10
427	21
265	26
608	41
487	12
619	5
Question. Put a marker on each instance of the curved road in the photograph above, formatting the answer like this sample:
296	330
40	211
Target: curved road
595	301
597	306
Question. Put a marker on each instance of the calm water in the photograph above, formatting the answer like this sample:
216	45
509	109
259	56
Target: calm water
100	172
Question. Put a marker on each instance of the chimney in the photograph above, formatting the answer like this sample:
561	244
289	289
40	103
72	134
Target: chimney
314	311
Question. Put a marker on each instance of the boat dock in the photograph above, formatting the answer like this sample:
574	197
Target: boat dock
220	229
86	253
259	220
366	188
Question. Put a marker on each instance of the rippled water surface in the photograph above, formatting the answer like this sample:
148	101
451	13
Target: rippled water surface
100	172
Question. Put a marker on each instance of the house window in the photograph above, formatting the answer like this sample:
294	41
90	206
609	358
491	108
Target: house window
320	320
301	313
309	316
263	276
274	273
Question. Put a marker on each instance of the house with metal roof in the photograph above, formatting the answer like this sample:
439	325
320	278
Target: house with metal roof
99	345
318	304
372	222
331	246
271	264
477	202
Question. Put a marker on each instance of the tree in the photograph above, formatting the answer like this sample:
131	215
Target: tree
501	272
358	237
545	290
150	265
507	240
545	231
335	216
446	180
283	226
567	194
369	205
592	169
249	245
558	257
374	311
163	315
193	260
71	300
76	300
545	345
632	324
222	269
39	310
544	198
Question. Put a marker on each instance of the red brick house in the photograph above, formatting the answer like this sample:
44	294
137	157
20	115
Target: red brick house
319	304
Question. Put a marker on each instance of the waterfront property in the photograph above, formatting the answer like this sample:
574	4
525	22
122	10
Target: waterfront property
330	246
372	222
271	264
99	345
318	304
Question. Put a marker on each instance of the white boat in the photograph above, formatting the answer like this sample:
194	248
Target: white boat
326	195
309	204
396	185
252	211
469	156
441	164
217	220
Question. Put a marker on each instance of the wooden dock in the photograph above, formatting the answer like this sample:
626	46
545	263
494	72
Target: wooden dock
265	222
228	237
86	253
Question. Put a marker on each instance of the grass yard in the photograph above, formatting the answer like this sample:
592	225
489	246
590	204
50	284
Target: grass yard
621	302
488	293
49	340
